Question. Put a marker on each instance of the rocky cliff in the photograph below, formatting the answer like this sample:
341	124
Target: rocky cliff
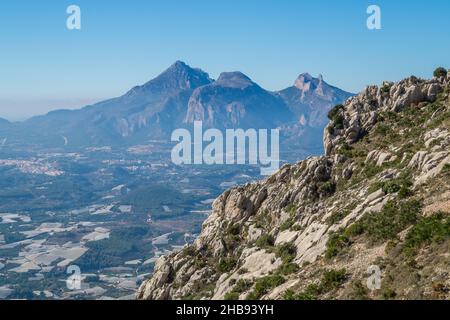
378	201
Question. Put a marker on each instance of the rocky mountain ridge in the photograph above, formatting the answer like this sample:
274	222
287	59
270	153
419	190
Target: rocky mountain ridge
175	99
378	200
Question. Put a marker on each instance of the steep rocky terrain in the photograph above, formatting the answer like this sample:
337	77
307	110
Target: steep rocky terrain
379	197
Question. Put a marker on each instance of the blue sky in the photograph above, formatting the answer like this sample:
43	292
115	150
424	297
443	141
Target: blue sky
124	43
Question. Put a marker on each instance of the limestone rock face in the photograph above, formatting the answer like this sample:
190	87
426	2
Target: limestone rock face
282	226
361	112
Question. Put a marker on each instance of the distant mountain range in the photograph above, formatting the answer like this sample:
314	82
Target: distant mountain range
3	121
177	98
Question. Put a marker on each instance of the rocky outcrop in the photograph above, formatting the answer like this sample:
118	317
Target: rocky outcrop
361	112
268	239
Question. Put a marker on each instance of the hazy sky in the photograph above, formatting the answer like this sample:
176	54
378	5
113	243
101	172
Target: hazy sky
125	43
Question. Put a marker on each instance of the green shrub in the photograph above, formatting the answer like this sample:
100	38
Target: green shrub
428	230
404	192
337	118
440	72
199	262
354	230
345	150
341	240
289	294
392	219
446	169
381	226
391	187
389	294
310	293
240	287
264	285
332	279
371	170
226	264
382	129
262	220
386	88
286	252
338	122
375	187
327	188
265	241
231	296
401	185
337	217
336	244
190	251
233	229
232	236
288	268
291	208
287	224
359	291
334	112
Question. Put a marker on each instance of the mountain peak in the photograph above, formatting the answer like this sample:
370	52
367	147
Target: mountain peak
235	79
179	76
179	65
306	82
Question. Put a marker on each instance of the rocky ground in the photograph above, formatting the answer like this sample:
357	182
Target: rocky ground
379	198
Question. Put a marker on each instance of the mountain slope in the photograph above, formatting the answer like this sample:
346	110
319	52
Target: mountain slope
379	198
311	98
234	101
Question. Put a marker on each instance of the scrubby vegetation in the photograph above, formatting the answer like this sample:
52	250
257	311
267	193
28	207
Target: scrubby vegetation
231	238
336	117
226	264
240	287
265	241
264	285
435	228
401	185
391	220
446	169
286	252
331	279
381	226
440	72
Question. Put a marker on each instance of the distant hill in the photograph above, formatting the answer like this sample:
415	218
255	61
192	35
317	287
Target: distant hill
178	97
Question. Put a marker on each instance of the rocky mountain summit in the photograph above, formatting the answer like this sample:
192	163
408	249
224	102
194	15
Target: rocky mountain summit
310	99
368	220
